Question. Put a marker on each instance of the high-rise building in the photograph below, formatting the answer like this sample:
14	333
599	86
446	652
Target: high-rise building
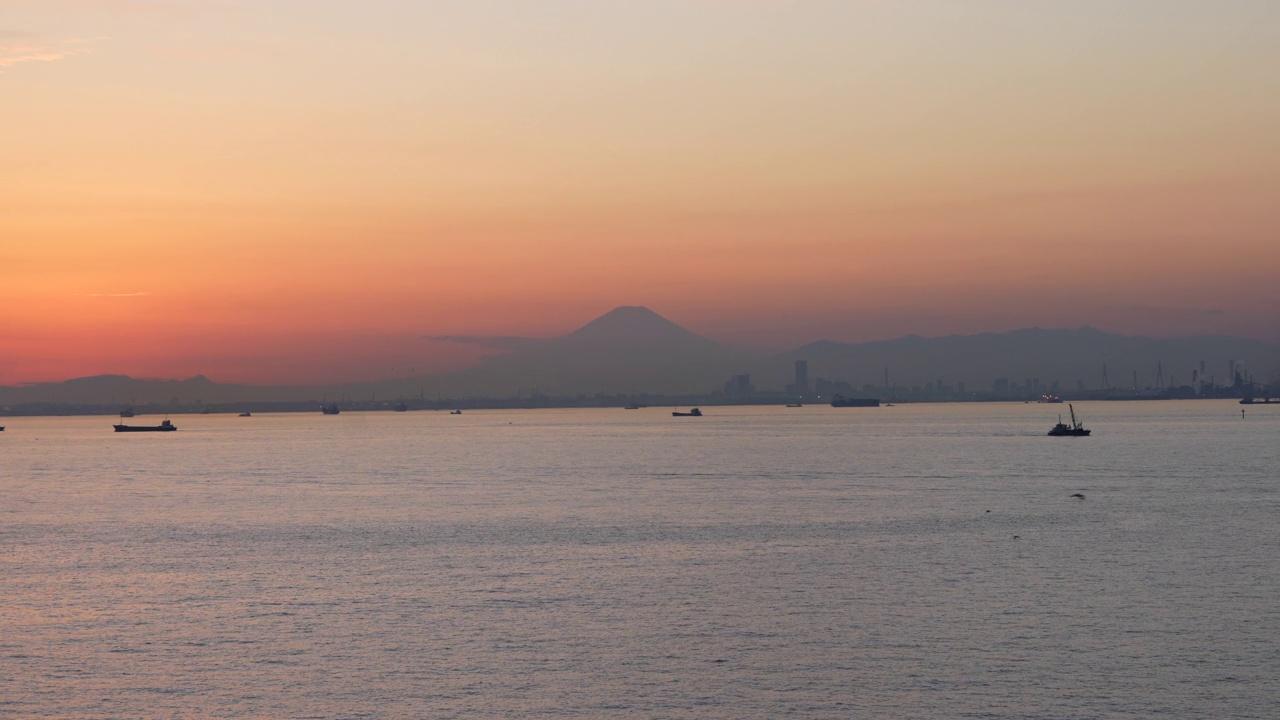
739	385
802	377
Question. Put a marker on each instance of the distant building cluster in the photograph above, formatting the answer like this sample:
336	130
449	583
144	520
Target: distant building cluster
739	386
819	389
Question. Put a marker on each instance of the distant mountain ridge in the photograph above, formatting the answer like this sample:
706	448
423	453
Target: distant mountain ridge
125	391
627	350
630	322
633	350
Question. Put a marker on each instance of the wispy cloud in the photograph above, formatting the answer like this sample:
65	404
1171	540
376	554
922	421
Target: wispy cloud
117	295
120	7
1167	310
19	48
498	342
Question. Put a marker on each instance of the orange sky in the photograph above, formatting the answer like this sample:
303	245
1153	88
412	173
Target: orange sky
284	191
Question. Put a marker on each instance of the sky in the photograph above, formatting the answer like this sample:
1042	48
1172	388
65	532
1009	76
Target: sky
308	190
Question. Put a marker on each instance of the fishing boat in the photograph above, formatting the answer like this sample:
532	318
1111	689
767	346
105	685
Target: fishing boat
455	412
165	426
695	412
1075	429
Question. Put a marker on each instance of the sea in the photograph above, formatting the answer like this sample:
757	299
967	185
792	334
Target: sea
915	561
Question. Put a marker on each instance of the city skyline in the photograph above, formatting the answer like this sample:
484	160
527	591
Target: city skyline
274	191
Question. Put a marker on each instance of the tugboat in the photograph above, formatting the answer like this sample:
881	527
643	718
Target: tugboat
1075	429
165	426
695	412
330	409
842	401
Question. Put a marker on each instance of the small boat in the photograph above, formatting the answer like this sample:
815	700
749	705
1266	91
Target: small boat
1075	429
795	405
632	407
455	412
695	412
1	428
165	426
246	413
1050	399
330	409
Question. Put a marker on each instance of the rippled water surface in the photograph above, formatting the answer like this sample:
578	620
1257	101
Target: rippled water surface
919	561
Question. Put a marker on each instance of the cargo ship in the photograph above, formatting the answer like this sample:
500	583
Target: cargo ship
842	401
165	426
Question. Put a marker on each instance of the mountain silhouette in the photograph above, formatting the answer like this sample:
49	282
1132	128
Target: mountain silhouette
634	324
633	350
626	350
123	391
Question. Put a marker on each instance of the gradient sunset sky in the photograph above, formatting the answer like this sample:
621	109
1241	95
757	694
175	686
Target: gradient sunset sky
303	191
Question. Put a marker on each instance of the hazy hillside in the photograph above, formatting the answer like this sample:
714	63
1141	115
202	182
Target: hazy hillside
627	350
124	391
